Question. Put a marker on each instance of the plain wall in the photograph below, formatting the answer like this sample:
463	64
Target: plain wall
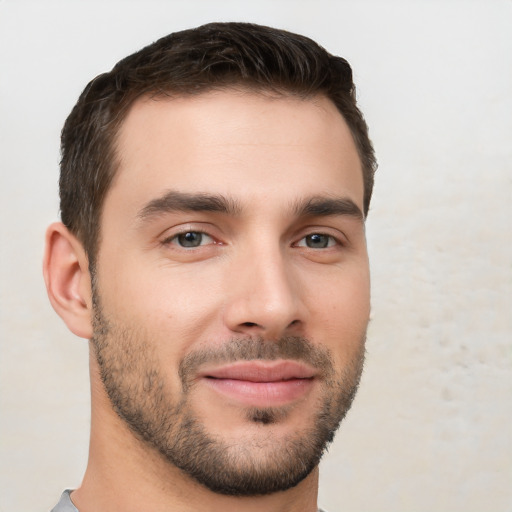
430	429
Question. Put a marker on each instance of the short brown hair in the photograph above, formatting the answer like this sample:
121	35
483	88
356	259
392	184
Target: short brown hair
213	56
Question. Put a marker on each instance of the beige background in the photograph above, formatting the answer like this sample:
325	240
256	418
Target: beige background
430	430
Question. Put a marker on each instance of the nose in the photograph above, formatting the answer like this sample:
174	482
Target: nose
264	297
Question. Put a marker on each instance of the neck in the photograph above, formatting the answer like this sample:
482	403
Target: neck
125	474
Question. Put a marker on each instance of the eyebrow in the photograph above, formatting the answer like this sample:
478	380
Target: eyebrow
174	201
325	206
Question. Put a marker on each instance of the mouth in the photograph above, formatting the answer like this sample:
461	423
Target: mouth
261	383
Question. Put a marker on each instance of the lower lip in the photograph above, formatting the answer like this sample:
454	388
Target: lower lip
261	394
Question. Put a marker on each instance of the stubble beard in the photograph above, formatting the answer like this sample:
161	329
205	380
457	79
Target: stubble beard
133	380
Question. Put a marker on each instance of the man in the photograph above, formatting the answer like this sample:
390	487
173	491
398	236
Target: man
214	188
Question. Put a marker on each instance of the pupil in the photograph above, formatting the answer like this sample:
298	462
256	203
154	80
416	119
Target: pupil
317	241
190	239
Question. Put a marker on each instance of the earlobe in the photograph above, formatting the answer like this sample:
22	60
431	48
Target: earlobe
67	278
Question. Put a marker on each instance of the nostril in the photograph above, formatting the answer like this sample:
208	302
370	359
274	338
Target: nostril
249	324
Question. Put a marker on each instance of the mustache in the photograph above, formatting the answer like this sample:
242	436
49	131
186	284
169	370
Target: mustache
295	348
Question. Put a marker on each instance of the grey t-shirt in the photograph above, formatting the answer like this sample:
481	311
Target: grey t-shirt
66	505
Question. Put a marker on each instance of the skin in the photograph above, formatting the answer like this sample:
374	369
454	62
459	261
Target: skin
253	275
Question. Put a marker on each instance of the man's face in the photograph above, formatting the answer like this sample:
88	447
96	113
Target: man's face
232	284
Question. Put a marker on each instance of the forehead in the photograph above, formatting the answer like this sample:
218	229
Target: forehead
240	143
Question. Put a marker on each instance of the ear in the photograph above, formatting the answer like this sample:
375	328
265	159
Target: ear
67	278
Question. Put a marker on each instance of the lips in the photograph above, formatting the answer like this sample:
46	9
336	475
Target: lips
260	383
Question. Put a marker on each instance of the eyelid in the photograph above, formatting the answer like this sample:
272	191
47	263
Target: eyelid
332	238
335	234
170	239
171	234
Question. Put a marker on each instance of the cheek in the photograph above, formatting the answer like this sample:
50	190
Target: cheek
340	314
172	303
167	313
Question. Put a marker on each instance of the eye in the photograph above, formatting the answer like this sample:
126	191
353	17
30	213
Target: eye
190	239
317	241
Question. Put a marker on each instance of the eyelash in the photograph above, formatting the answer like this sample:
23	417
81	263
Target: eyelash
175	239
332	241
169	240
